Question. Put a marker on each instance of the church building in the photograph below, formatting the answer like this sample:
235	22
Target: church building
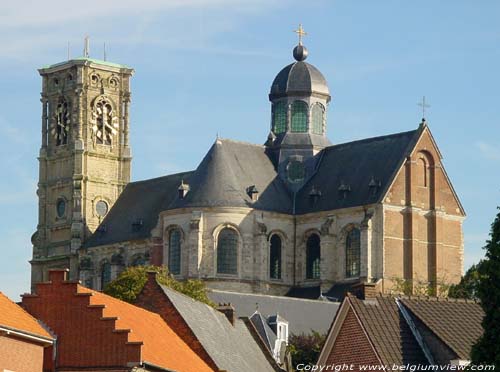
295	215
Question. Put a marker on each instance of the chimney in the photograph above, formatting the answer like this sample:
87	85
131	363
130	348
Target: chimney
58	275
228	311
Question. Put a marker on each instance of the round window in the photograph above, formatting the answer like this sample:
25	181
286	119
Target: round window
296	171
101	208
61	208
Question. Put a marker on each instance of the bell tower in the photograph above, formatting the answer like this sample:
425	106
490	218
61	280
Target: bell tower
84	160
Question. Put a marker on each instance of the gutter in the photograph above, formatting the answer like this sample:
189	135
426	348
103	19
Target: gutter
9	331
154	366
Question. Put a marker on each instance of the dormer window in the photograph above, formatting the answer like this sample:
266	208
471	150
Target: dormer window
183	190
296	171
252	192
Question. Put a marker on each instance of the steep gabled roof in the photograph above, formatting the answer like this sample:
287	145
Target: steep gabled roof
457	323
231	347
228	169
142	200
265	332
161	346
15	318
354	165
387	330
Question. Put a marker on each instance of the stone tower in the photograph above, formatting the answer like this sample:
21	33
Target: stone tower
84	157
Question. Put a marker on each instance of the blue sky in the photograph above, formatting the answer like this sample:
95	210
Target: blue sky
205	67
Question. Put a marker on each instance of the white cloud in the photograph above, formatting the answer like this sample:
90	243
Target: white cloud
490	152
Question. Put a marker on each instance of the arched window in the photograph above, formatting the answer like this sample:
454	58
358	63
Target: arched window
105	274
174	251
279	118
313	257
318	115
353	253
275	257
422	172
299	117
227	252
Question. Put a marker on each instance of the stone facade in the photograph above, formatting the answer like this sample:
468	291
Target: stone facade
84	158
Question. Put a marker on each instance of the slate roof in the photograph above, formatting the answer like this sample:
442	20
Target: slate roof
161	346
228	169
232	348
457	323
355	164
299	78
139	200
295	311
265	332
388	330
14	317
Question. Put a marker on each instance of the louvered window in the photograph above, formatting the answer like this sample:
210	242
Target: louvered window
299	117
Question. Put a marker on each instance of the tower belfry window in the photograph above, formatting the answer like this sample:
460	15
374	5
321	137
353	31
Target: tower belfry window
61	122
299	117
318	117
279	118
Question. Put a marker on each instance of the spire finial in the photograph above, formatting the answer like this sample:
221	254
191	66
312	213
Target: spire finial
86	47
424	105
300	31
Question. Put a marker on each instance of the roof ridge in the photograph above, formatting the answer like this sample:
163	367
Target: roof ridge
241	142
371	139
158	178
275	296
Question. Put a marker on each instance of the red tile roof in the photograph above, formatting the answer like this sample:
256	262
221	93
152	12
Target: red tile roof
161	345
14	317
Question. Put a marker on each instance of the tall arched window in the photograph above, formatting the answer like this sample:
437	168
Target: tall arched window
227	252
299	116
422	172
353	253
318	117
105	274
313	257
174	252
275	257
279	118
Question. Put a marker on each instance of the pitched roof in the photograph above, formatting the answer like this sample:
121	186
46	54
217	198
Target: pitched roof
265	332
232	348
142	200
14	317
162	347
228	169
388	331
294	310
355	165
457	323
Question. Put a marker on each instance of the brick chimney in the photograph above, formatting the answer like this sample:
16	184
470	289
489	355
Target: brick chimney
58	275
228	311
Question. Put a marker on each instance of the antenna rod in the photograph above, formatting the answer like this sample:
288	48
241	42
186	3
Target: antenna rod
68	51
104	50
86	48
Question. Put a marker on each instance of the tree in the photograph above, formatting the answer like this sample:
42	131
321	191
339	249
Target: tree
468	286
487	349
130	283
305	349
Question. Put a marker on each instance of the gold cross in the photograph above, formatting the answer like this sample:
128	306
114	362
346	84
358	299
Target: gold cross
300	31
424	106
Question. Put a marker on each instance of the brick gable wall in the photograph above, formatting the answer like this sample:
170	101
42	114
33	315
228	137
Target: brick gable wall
153	298
351	345
19	355
84	337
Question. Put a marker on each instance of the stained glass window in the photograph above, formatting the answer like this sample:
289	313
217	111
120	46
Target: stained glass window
279	118
105	274
227	252
275	257
318	114
174	252
313	257
299	116
353	253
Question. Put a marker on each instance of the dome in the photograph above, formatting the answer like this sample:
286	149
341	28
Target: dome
299	78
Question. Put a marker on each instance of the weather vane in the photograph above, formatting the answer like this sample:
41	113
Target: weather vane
424	105
300	31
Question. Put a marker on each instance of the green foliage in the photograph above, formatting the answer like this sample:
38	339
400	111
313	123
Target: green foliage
487	349
305	349
418	287
131	282
468	286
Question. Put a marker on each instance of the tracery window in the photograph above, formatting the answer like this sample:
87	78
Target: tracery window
105	122
318	117
299	117
227	252
275	257
174	251
279	118
313	257
61	122
353	253
105	274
